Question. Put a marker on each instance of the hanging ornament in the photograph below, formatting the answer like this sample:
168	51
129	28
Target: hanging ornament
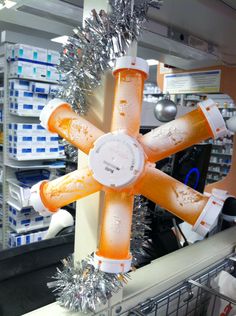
165	109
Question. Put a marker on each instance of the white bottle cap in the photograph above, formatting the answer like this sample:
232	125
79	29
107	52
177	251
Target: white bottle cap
60	220
129	62
208	218
112	265
36	201
48	111
116	160
214	118
231	124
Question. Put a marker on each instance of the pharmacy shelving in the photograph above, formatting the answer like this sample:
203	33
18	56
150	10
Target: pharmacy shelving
12	192
221	153
222	149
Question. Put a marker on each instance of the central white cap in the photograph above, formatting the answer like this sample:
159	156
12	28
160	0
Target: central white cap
116	160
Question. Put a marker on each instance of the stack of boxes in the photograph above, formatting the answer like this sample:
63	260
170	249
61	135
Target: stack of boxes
28	98
33	79
32	142
33	62
25	219
15	239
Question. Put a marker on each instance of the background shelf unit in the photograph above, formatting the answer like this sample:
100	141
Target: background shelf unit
9	165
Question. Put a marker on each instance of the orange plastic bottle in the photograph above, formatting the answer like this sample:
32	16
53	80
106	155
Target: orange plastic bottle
184	132
69	125
116	226
67	189
130	74
171	194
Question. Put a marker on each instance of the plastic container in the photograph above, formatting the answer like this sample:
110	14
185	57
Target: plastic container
58	117
67	189
130	74
179	199
116	226
181	133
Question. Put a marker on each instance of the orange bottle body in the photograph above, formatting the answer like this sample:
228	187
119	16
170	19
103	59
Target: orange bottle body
128	100
116	226
73	128
176	135
171	194
69	188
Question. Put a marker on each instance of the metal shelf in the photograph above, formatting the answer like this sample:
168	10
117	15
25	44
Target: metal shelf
36	159
34	166
222	108
221	154
34	79
220	163
25	115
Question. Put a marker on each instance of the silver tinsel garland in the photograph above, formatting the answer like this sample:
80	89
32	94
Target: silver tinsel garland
94	47
81	287
140	226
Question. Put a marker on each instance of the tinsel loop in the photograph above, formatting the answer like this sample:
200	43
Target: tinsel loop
93	48
81	287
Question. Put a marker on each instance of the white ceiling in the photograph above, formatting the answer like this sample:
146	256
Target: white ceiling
211	20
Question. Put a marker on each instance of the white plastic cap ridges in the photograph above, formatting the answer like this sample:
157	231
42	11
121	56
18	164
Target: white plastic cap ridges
111	265
129	62
214	118
48	110
231	124
36	201
208	218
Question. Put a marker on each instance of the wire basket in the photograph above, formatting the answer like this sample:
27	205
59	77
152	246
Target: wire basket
190	298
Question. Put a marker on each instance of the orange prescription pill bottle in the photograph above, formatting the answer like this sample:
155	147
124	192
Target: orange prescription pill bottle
130	74
52	195
200	124
58	117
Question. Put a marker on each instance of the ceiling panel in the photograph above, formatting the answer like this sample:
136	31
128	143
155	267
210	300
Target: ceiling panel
47	15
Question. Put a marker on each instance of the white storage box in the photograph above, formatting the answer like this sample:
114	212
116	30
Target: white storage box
19	84
21	140
26	212
53	57
21	94
22	69
39	54
26	224
41	98
18	195
21	51
39	87
22	127
39	71
24	109
21	153
52	74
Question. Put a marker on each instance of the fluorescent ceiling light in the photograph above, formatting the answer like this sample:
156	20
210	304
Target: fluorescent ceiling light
61	39
7	4
152	62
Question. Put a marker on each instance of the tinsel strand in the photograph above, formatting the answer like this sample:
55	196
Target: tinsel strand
93	48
